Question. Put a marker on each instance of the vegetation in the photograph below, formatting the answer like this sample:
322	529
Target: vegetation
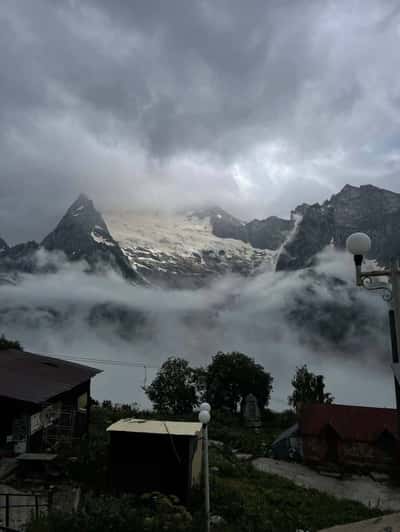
232	376
174	390
9	344
147	513
253	501
247	500
178	388
308	388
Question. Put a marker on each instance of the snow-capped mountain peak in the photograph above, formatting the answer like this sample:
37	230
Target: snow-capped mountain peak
182	249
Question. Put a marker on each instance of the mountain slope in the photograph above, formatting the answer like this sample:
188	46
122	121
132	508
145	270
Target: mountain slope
3	245
182	250
366	208
83	235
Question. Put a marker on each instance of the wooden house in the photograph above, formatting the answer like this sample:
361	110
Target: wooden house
42	399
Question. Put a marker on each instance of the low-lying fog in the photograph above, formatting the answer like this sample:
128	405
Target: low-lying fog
282	320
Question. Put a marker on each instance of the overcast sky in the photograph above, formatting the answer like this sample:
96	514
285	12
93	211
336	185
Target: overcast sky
256	106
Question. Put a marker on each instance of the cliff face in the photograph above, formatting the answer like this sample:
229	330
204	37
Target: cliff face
366	208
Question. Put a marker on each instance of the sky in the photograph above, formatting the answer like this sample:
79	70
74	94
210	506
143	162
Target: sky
256	106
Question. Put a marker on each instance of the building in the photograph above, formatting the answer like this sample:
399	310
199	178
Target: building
356	437
41	400
150	455
288	445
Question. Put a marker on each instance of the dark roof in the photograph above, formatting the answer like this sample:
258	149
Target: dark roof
35	378
357	423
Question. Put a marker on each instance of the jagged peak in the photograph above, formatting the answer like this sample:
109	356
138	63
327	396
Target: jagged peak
3	245
81	204
363	188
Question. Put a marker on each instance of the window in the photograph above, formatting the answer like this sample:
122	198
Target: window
83	402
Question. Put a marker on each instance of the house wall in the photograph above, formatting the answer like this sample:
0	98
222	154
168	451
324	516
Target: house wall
12	410
352	454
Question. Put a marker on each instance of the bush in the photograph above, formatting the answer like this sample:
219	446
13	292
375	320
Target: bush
147	513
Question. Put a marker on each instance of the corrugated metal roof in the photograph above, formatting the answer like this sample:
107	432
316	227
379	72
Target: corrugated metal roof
36	378
152	426
357	423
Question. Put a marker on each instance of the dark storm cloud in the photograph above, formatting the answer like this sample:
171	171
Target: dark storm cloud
254	105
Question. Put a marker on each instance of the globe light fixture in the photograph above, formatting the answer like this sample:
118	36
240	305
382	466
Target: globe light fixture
205	406
358	244
204	417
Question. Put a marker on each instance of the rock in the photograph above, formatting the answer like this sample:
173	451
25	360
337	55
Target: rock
243	456
379	477
217	521
216	443
366	208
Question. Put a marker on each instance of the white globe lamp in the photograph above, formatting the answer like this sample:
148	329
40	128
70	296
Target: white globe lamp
204	417
205	406
358	244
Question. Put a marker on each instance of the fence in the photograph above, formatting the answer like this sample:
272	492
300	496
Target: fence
35	506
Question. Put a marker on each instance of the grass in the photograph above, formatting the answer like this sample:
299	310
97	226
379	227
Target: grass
252	501
248	500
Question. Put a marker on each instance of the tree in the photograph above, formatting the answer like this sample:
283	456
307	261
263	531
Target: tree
308	388
232	376
9	344
174	390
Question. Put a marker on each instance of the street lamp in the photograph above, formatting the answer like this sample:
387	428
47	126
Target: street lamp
359	245
204	418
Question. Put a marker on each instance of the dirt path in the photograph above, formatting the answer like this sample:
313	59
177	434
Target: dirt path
361	489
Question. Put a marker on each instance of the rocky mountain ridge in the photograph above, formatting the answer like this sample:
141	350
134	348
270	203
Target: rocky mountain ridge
190	249
367	208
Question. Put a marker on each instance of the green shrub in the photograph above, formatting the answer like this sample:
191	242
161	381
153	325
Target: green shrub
147	513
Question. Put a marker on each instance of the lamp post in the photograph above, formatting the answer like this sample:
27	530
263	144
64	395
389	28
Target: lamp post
204	418
359	245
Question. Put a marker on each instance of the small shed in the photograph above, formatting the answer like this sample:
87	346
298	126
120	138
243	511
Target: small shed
288	445
150	455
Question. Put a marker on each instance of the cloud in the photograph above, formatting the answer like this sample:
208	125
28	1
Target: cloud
168	103
75	314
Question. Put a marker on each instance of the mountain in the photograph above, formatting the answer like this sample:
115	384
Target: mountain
3	245
270	233
366	208
83	235
186	250
183	250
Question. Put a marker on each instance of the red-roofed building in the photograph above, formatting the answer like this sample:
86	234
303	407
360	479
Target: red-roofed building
350	436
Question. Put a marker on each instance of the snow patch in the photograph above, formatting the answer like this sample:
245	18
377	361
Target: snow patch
78	210
101	239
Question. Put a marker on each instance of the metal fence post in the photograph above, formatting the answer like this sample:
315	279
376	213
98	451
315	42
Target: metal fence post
7	509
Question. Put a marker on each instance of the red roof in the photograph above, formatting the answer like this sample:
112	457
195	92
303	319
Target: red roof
357	423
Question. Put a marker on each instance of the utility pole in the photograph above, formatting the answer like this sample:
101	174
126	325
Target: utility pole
359	245
204	418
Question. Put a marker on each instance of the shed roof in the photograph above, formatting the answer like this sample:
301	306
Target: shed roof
357	423
152	426
36	378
